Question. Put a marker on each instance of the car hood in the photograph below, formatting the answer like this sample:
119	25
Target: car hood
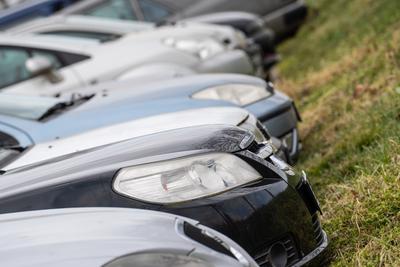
120	102
105	160
78	234
87	237
124	131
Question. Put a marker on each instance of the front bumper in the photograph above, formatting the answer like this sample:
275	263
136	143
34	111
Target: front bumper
279	115
260	215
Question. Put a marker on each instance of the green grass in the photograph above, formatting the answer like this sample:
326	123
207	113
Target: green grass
343	70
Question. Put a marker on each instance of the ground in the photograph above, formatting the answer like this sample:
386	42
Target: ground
343	71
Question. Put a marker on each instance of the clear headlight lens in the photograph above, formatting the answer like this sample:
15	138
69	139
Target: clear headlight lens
240	94
158	259
202	48
184	179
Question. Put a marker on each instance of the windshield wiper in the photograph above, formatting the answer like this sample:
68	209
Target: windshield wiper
62	106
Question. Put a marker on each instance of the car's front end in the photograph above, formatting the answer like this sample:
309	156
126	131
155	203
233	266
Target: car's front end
217	175
275	110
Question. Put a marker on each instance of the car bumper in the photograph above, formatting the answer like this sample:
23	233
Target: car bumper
286	20
280	116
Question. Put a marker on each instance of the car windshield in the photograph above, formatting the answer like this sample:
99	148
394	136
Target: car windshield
26	107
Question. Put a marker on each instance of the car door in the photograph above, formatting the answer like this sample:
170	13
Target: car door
16	78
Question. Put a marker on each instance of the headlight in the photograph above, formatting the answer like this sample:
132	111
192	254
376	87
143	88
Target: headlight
184	179
158	259
202	48
240	94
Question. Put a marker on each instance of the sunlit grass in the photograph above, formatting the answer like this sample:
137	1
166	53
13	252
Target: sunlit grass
343	70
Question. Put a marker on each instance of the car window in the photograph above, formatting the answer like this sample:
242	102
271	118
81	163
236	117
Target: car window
114	9
99	36
12	66
153	11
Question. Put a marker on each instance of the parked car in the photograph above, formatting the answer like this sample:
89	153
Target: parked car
27	120
283	17
218	175
46	65
110	237
259	43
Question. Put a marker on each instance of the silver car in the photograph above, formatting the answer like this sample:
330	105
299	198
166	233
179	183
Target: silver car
112	237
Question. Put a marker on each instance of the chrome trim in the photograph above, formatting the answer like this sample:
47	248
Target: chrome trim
179	222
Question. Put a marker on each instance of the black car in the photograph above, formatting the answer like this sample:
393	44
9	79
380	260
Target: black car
284	17
218	175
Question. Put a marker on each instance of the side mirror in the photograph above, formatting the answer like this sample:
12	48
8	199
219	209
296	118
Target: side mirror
39	65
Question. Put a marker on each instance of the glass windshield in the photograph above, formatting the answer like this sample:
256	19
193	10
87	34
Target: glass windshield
26	107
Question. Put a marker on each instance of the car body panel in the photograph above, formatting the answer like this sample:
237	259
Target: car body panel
96	236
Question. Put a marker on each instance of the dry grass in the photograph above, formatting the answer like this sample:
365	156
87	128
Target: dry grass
343	71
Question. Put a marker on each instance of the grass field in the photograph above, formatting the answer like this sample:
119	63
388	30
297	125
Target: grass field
343	70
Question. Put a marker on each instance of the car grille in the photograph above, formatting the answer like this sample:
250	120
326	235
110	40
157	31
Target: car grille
262	259
319	237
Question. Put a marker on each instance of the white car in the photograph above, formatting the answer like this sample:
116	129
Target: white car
104	29
48	65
